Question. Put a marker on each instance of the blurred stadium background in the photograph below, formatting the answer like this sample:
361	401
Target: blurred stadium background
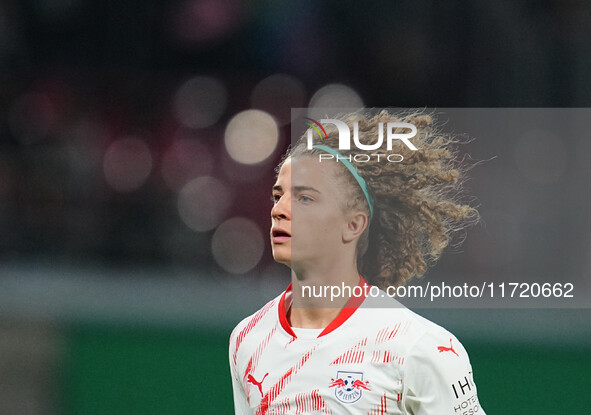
133	211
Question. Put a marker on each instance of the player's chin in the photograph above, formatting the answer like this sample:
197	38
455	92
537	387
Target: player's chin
282	254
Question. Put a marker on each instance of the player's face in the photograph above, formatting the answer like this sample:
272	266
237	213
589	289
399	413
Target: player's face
307	215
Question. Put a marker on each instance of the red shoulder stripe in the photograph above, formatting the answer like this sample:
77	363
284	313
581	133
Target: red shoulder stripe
251	324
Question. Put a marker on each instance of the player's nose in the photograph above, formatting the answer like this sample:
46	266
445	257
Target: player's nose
282	208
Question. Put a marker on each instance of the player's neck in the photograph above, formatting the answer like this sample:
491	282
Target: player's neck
318	297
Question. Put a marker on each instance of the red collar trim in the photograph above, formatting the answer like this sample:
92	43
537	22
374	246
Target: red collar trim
347	311
283	313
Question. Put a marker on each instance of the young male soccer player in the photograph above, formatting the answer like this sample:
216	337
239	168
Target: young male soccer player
349	225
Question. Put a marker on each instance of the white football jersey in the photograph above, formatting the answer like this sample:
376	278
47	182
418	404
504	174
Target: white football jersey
367	361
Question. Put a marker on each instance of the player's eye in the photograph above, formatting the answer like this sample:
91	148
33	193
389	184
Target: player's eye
275	198
305	199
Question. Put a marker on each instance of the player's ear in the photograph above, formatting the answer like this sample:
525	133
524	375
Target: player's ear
356	224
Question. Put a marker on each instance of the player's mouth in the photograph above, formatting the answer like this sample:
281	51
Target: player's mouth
279	236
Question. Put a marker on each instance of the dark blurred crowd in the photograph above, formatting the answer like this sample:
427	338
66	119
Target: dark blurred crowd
108	109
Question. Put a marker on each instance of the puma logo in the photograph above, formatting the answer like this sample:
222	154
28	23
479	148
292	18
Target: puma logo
252	380
447	349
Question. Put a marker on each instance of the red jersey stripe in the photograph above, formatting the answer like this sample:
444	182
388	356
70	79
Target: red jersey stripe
276	389
253	322
254	360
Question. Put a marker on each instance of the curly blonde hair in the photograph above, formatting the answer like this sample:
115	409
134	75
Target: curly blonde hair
416	201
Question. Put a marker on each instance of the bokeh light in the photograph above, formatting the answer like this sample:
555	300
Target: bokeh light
541	156
184	160
336	96
277	95
251	136
127	164
237	245
203	202
200	102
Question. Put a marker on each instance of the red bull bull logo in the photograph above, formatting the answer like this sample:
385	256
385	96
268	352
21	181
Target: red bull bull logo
349	386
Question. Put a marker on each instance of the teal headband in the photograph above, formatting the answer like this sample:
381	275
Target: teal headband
353	171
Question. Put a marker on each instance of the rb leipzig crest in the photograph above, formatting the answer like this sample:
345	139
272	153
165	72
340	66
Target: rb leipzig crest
349	386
